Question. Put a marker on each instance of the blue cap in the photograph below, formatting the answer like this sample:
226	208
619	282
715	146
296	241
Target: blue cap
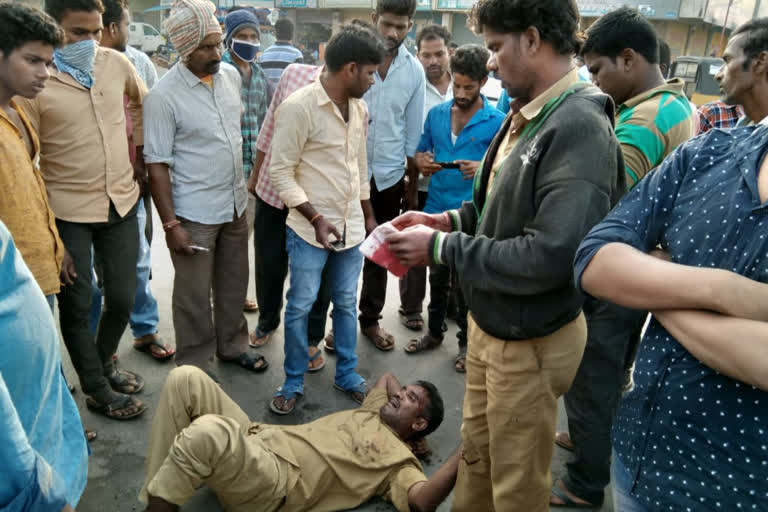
238	20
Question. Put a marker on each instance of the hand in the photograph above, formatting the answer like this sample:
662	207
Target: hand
140	174
438	221
68	273
252	180
468	168
426	164
323	229
411	246
370	225
178	240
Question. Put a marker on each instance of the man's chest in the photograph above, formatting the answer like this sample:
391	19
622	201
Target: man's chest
26	137
66	105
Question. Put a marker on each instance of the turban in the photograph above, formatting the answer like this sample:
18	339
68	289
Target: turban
237	20
190	22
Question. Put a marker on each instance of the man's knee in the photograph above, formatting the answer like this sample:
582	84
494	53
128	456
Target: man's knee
185	378
208	440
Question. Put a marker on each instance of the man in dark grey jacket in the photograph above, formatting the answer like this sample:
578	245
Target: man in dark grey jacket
554	170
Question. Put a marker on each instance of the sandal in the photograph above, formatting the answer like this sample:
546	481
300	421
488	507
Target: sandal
90	435
150	344
114	406
329	342
563	440
259	338
381	339
426	342
248	362
460	363
412	321
125	382
561	493
287	397
356	393
316	356
250	306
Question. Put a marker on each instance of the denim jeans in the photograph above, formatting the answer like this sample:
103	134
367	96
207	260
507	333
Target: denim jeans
621	479
306	263
144	316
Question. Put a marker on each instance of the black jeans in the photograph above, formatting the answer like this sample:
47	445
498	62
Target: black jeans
440	288
594	396
413	285
116	248
271	268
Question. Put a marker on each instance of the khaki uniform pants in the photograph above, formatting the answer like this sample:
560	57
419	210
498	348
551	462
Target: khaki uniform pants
510	409
200	436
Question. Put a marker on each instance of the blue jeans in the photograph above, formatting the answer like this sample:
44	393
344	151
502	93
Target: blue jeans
306	263
144	316
622	482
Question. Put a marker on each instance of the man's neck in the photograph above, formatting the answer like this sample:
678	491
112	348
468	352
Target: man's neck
442	83
242	65
5	98
547	77
650	80
756	104
333	88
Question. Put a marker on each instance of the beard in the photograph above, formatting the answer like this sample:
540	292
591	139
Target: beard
464	103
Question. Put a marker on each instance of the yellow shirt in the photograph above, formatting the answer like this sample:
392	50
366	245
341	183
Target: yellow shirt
84	144
24	206
317	157
526	114
345	459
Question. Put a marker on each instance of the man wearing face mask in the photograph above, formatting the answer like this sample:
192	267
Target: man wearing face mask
92	189
242	42
193	133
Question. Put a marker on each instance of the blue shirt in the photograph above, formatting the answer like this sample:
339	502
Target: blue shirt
396	109
448	188
276	58
43	451
694	439
504	101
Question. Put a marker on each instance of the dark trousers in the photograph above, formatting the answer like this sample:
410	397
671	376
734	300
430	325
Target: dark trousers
115	247
386	206
441	287
594	396
271	268
413	285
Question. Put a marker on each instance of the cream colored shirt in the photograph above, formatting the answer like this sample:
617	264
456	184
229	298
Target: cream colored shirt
319	158
84	146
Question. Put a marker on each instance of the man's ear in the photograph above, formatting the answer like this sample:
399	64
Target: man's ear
419	425
760	63
374	18
627	59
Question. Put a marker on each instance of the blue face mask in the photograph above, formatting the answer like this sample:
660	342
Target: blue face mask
245	50
77	60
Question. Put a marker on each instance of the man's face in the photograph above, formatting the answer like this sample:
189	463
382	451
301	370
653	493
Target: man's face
610	75
81	25
509	63
119	31
435	58
392	28
466	90
24	71
735	77
362	80
405	410
247	34
206	58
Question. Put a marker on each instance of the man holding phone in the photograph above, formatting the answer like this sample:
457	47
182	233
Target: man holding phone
456	135
319	169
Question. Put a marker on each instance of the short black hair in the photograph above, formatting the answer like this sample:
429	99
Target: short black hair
396	7
432	32
435	410
756	40
618	30
353	43
284	29
21	24
113	11
665	54
556	20
470	60
56	8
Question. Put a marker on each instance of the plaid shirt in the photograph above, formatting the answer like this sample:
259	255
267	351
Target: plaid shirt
254	99
717	114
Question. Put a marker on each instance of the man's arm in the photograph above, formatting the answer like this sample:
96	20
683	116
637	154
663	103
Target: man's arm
414	116
732	346
253	179
136	90
389	382
427	496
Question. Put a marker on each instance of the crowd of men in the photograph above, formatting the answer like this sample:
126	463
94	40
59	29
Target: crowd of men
549	234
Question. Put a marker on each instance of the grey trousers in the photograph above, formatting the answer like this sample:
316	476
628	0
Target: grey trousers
208	293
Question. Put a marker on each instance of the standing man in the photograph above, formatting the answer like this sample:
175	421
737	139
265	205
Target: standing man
553	171
319	168
242	43
281	54
396	106
457	132
653	119
93	191
193	132
433	51
144	316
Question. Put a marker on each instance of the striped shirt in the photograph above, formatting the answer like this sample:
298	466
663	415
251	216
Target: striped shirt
651	125
276	58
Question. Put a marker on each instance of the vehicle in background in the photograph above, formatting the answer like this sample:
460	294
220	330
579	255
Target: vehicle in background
145	37
698	73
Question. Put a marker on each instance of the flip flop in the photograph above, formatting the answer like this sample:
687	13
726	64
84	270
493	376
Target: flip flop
379	337
426	342
145	344
329	342
461	359
250	306
353	391
563	440
259	338
110	409
318	354
412	321
247	361
287	396
119	380
567	501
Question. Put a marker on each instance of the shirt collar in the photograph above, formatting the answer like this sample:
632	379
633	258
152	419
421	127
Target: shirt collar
436	91
190	78
534	108
227	57
674	86
32	134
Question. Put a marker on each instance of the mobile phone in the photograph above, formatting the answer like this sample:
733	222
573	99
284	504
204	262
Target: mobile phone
199	248
337	245
448	165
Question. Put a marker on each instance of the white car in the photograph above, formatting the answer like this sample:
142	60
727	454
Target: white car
145	37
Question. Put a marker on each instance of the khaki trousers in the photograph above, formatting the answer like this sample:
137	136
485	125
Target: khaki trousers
510	409
200	437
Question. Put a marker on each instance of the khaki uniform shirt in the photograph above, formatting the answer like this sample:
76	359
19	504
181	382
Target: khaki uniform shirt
24	205
84	151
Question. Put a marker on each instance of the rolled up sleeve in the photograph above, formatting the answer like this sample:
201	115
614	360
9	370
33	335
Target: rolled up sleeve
291	133
159	130
400	483
136	91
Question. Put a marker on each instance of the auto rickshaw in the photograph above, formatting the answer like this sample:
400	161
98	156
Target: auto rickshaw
698	73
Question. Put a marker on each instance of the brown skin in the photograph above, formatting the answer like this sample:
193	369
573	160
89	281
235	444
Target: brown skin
253	179
206	58
743	82
624	77
244	34
435	58
81	25
115	35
